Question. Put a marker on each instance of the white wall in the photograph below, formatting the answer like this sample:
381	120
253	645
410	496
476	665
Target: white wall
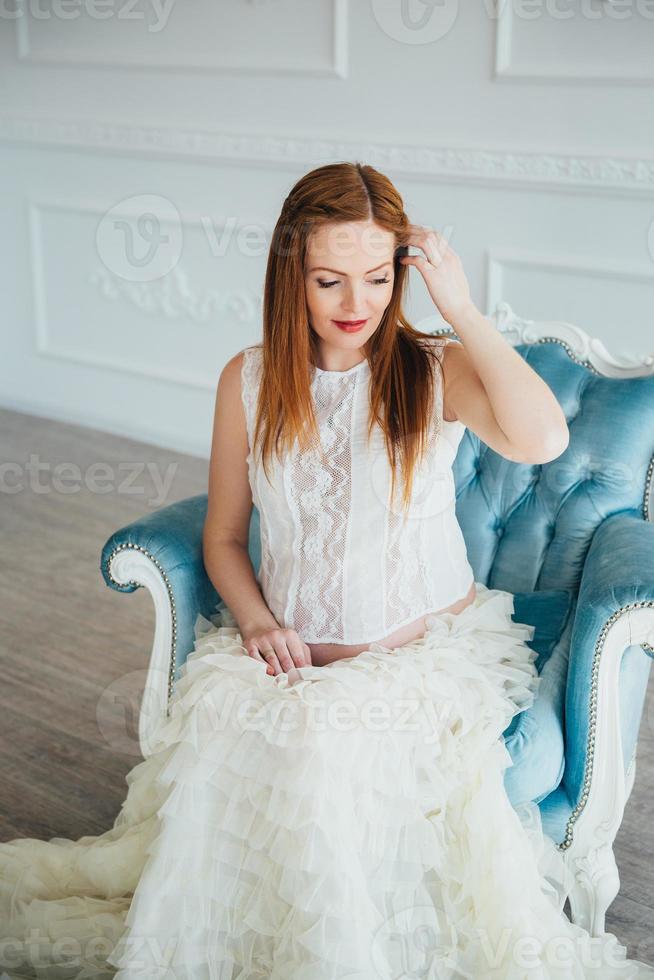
524	132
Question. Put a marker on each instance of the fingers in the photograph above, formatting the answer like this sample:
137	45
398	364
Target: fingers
295	649
433	242
280	650
269	659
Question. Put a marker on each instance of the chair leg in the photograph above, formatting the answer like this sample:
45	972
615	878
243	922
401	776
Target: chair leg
597	882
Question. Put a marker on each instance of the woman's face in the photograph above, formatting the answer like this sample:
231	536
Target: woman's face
348	276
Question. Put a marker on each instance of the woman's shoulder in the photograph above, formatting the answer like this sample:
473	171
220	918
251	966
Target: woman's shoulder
248	361
241	371
443	345
249	366
252	350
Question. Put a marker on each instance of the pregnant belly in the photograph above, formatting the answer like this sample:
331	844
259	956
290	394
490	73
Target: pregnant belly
324	653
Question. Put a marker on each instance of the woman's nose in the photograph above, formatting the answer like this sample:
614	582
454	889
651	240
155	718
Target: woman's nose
353	301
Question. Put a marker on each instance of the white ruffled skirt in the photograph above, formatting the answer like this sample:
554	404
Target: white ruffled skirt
346	822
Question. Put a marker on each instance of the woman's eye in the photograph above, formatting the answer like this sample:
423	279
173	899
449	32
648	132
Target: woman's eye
326	285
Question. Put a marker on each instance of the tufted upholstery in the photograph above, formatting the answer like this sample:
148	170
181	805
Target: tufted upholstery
530	527
535	738
557	527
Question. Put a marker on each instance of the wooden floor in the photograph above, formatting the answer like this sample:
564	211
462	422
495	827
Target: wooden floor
72	650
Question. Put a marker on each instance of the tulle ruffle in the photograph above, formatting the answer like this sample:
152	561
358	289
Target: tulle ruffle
346	822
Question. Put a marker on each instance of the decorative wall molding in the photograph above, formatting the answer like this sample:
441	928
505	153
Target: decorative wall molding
581	346
173	297
611	71
498	260
168	297
225	59
557	171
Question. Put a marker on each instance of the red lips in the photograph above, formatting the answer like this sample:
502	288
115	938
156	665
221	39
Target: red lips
350	325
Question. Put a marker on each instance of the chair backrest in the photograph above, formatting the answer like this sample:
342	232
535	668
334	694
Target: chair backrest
528	527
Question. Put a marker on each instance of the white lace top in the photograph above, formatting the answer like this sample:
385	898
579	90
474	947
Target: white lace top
337	563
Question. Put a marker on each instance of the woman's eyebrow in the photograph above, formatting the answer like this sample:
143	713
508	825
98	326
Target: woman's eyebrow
323	268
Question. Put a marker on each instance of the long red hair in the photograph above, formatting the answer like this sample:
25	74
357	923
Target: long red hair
401	373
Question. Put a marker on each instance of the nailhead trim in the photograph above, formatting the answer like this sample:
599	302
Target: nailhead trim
590	748
598	646
648	489
600	643
171	599
594	679
569	351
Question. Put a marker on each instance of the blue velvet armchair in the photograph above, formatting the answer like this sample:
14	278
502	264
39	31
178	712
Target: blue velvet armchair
572	539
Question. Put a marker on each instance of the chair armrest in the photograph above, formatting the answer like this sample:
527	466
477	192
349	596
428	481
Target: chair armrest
615	609
171	536
163	552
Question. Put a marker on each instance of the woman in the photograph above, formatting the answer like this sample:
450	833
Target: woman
326	800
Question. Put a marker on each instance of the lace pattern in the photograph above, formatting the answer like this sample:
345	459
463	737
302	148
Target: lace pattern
319	495
339	561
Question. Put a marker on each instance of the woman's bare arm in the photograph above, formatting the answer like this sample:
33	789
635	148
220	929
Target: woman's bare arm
499	396
225	533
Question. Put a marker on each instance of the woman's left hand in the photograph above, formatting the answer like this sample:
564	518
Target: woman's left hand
442	270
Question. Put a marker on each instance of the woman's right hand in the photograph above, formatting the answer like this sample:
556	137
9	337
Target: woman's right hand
281	649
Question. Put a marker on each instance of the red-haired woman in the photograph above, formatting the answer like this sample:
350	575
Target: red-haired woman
326	800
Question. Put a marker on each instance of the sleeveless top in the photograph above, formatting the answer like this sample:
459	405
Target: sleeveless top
338	563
